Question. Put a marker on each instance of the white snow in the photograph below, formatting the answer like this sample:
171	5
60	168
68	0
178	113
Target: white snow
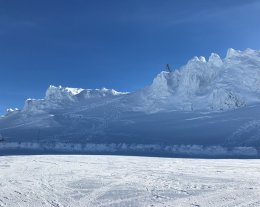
60	93
216	84
114	181
12	111
64	97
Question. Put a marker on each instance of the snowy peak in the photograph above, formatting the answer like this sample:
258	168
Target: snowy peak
216	84
64	97
201	84
60	93
96	93
12	111
232	53
215	60
54	93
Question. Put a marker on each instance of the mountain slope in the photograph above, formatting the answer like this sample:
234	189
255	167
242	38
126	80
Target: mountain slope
206	103
215	84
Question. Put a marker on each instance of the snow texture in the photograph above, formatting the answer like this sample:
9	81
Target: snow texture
114	181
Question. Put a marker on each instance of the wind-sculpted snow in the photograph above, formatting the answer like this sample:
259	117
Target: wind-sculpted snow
214	102
54	93
60	97
216	84
121	181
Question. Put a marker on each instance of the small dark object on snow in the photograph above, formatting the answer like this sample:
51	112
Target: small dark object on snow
168	68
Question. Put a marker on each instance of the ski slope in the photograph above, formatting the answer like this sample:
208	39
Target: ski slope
106	181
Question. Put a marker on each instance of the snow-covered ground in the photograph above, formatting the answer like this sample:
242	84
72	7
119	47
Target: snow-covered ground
127	181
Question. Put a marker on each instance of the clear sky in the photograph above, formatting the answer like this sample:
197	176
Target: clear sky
120	44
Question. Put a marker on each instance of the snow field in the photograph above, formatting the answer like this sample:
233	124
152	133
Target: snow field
127	181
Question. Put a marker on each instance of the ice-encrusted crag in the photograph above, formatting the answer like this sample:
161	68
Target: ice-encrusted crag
181	107
213	84
64	98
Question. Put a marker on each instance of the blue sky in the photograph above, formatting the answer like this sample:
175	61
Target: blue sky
114	44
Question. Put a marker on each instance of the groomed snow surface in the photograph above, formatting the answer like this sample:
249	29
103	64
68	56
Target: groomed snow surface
127	181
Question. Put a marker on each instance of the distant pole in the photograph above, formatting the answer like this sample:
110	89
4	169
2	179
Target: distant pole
168	68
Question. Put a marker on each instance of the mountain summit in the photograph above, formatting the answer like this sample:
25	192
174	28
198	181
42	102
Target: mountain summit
213	84
207	102
216	84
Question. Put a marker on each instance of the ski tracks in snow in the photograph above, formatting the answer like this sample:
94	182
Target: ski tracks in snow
115	181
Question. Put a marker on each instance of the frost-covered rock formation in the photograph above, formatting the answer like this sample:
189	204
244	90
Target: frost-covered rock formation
216	84
64	97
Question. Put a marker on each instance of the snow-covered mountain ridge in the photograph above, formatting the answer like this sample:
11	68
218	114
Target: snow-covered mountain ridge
216	84
213	84
64	97
206	103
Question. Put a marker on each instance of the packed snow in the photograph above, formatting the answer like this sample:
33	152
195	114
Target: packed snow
106	181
